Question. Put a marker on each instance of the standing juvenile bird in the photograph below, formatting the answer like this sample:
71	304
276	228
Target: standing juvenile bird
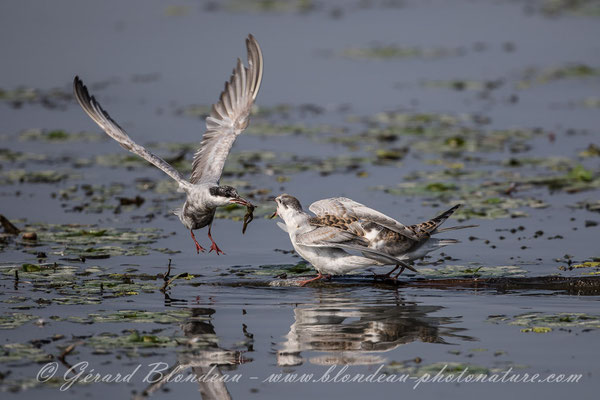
342	224
228	119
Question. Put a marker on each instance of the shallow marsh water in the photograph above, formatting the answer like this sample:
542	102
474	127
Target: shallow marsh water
409	107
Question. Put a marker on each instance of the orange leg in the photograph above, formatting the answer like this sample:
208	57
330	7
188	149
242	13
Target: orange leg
316	278
198	247
214	246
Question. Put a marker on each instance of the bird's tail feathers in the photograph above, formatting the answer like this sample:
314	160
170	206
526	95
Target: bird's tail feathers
431	226
453	228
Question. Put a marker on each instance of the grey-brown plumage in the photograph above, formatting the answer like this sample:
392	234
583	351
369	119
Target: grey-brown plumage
328	247
344	224
344	207
228	119
381	232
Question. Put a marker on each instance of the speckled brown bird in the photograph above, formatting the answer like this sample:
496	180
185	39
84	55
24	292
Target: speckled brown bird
341	225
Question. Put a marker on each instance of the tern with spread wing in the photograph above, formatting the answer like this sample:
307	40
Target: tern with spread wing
227	120
342	225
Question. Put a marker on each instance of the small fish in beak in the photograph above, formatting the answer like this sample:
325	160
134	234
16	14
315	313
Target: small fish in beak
249	216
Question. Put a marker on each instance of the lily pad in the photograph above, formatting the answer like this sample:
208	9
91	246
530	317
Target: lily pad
14	320
540	320
460	271
23	352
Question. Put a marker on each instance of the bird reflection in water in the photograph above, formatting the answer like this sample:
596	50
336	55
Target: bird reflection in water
356	331
205	358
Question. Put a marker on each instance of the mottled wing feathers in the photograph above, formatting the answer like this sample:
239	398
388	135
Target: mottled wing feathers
229	116
345	208
349	223
112	129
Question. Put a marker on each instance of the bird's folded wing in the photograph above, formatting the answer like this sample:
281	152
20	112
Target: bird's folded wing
344	207
327	236
377	255
112	129
229	117
334	237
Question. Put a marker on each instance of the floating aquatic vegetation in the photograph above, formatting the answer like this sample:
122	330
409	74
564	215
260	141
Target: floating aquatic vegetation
591	151
89	235
587	264
23	353
53	98
281	164
72	285
498	193
544	322
91	198
590	205
534	76
591	102
576	180
14	176
488	202
456	84
14	320
537	329
59	135
265	128
466	140
137	316
259	113
177	11
272	270
393	51
595	265
270	6
11	156
436	133
577	7
461	271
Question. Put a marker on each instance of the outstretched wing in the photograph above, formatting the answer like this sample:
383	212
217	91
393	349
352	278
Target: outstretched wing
112	129
348	208
334	237
229	117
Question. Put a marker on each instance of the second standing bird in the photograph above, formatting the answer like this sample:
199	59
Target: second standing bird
343	225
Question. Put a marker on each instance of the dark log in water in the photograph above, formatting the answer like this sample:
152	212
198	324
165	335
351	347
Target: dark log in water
573	285
569	285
